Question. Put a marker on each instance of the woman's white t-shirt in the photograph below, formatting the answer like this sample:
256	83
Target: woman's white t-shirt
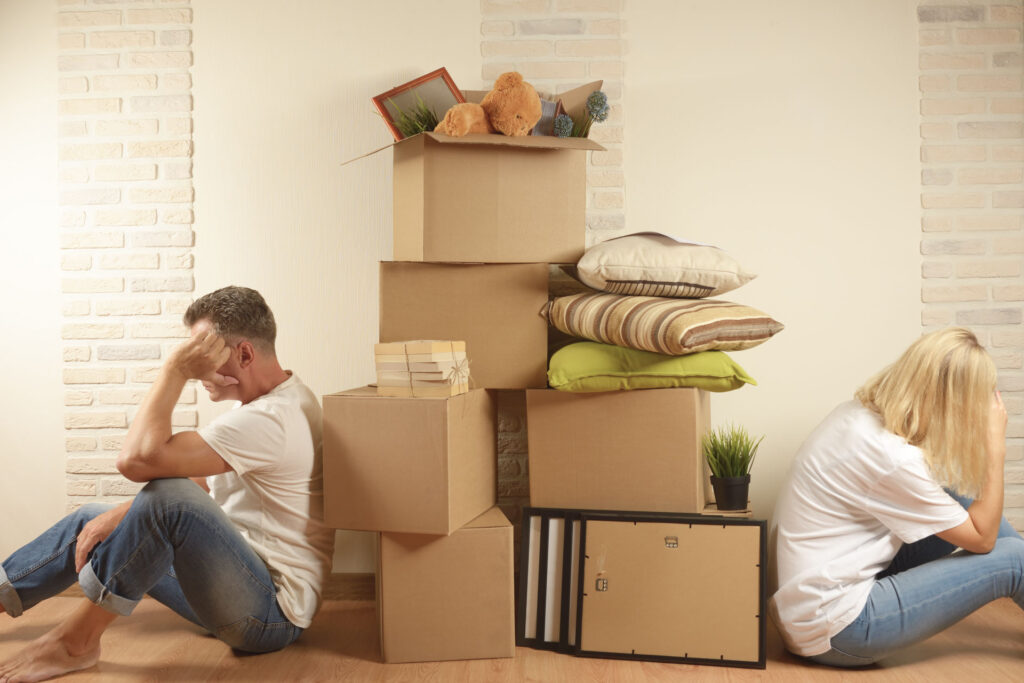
856	494
274	496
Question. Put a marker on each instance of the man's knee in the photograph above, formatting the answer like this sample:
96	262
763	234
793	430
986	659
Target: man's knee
168	494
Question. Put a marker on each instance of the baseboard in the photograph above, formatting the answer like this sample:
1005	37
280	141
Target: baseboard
350	586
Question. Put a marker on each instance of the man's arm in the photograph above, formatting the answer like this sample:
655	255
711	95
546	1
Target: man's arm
150	449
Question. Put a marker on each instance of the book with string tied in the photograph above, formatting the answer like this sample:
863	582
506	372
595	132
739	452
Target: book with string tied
421	368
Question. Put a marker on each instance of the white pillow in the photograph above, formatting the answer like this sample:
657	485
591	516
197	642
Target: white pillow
652	264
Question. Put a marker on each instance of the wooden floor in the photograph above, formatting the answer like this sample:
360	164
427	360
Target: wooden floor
341	645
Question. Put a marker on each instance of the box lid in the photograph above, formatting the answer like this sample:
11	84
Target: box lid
370	391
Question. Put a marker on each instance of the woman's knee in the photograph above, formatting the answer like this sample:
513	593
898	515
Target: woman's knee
1012	548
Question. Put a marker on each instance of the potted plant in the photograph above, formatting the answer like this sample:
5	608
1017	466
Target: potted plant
730	453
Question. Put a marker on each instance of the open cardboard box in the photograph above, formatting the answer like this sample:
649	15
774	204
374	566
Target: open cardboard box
490	198
447	598
417	465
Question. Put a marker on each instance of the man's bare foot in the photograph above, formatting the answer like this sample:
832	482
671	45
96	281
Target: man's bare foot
44	658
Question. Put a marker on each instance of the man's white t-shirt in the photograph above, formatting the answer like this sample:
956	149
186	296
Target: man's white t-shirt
274	496
856	494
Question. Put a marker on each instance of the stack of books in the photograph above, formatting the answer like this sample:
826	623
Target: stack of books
421	368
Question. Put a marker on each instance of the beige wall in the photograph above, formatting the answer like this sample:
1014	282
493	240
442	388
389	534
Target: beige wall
31	435
786	133
275	208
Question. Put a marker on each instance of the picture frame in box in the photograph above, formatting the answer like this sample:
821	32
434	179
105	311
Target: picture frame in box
549	572
436	89
672	588
563	556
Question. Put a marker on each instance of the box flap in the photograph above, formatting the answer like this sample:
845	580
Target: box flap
574	101
496	139
489	520
538	141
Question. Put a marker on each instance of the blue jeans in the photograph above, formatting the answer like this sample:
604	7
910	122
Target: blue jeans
175	544
926	589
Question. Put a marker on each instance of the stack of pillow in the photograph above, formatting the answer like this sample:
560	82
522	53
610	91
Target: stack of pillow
650	323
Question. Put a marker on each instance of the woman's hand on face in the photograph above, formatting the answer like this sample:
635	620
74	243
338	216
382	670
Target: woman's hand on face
997	425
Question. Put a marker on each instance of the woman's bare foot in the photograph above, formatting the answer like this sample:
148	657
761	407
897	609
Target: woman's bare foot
44	658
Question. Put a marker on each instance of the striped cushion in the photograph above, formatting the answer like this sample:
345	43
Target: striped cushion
670	326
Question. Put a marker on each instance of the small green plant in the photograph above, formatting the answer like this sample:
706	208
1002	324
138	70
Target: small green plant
420	118
730	451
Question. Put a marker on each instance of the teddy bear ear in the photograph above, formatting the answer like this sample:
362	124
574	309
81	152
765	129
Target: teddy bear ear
509	79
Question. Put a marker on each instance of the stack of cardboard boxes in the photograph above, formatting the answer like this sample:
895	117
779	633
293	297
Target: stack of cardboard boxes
477	223
477	220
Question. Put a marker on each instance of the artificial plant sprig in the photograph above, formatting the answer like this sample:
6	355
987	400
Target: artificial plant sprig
420	118
596	109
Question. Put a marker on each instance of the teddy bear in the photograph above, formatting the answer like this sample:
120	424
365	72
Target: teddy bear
512	107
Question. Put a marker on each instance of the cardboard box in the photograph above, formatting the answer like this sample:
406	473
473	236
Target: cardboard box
690	590
417	465
448	598
490	198
618	450
494	308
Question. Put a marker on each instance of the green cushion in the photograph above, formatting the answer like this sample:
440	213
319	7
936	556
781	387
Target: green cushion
591	367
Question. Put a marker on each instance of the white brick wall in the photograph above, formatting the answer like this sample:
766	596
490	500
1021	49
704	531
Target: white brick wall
558	45
972	195
125	126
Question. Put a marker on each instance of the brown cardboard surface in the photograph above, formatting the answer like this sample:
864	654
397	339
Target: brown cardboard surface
448	598
490	198
418	465
495	308
700	599
618	450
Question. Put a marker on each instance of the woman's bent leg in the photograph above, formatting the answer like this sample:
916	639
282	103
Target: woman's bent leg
913	605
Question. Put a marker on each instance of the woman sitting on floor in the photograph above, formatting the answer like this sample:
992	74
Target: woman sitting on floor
867	526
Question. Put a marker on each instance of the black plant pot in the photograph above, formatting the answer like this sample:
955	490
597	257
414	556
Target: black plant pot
731	493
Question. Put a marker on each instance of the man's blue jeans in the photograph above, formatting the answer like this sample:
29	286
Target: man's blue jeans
175	544
926	589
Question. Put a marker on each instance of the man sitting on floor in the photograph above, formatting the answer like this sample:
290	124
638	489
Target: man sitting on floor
244	553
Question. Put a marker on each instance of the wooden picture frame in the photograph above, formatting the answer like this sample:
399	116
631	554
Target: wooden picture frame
436	89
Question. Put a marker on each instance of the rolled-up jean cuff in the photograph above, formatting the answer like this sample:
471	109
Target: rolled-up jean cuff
8	596
99	595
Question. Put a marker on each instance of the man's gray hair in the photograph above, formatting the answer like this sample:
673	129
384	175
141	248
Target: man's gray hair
236	313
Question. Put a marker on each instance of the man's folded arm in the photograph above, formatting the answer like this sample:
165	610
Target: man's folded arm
185	454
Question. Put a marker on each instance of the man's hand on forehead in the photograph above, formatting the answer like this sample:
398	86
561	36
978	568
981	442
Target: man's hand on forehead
203	355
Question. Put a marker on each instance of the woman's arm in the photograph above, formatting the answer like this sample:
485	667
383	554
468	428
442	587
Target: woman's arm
978	534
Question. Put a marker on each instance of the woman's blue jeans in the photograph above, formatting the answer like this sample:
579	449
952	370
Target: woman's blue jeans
926	589
175	544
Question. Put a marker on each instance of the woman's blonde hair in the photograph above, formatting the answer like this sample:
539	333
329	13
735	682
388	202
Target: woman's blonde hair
937	396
